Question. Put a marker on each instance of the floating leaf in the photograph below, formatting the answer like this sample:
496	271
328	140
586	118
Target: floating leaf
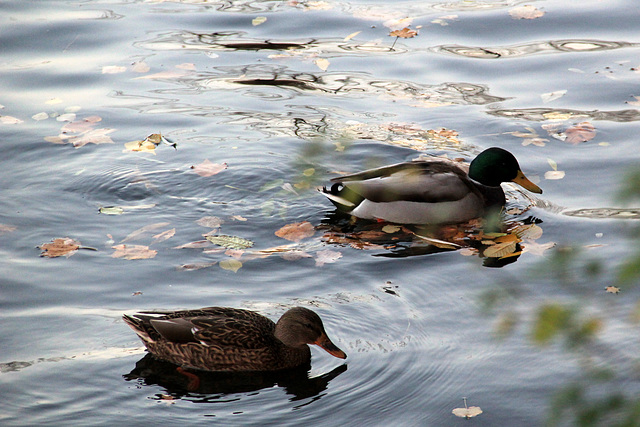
40	116
467	411
113	69
259	20
9	120
68	117
554	175
111	210
133	252
582	132
230	242
405	33
231	264
137	234
186	66
528	231
4	228
612	289
390	229
296	231
322	63
525	12
199	244
552	96
352	35
59	247
207	168
197	266
500	250
537	248
118	210
140	67
165	235
327	256
238	218
210	221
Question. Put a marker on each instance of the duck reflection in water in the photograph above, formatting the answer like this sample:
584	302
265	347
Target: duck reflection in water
497	240
295	381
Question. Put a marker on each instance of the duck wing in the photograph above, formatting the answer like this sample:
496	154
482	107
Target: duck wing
213	326
429	181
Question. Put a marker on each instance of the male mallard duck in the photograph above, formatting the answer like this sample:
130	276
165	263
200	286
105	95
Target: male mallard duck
433	191
231	339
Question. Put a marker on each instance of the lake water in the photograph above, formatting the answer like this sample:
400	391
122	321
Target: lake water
316	89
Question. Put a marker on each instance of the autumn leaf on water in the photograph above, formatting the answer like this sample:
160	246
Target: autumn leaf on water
4	228
537	248
59	247
210	221
612	289
199	244
582	132
230	242
138	234
259	20
119	210
10	120
197	266
322	63
296	231
113	69
405	33
207	168
165	235
327	256
467	411
526	12
230	264
552	96
133	252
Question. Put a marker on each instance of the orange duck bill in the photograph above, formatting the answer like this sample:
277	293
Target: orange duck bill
523	181
330	347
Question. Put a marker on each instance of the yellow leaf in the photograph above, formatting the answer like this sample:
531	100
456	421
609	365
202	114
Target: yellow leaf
500	250
259	20
390	229
352	35
322	63
231	264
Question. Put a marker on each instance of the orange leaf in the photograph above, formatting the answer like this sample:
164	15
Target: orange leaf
133	252
296	231
59	247
405	33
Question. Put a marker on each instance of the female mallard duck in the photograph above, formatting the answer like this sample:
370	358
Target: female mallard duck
433	191
231	339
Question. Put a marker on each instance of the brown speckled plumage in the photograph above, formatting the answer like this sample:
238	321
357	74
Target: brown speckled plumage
231	339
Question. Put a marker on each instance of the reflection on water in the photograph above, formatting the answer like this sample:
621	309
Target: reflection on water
497	244
327	83
238	41
296	382
552	46
544	114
